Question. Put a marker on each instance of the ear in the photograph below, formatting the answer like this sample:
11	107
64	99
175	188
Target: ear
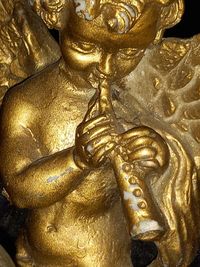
170	16
53	13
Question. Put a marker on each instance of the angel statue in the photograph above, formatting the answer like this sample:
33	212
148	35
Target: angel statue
102	144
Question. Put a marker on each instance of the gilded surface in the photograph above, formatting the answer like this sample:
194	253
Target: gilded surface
5	260
25	45
103	144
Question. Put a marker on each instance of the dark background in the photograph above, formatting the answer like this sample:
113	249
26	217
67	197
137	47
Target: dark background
190	24
143	253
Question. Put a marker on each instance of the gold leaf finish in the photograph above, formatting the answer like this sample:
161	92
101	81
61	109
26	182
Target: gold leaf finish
102	145
25	45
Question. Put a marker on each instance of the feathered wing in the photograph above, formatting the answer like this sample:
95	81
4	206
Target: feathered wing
165	88
180	103
26	46
173	70
5	260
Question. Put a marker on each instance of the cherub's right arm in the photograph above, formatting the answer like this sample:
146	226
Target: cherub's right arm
32	180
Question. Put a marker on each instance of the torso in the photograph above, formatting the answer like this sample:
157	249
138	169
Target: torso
90	219
87	222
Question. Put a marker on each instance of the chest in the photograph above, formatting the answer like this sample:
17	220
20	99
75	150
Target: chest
59	121
58	124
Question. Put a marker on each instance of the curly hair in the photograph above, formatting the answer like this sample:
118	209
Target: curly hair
119	17
50	11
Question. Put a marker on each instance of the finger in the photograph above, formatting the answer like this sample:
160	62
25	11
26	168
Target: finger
86	126
98	130
145	153
140	142
159	149
93	109
162	158
152	164
137	132
96	143
91	113
100	139
102	153
82	155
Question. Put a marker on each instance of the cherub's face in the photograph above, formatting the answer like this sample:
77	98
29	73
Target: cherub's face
96	52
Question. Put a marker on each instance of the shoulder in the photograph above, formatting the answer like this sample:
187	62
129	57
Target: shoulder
16	111
31	94
39	87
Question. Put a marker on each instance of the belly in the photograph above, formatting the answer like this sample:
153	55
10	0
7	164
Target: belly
86	226
90	217
97	193
83	238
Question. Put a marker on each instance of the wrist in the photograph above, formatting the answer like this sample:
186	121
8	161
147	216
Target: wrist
77	160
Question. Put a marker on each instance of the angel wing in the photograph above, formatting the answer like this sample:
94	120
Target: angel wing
26	46
166	84
164	93
180	98
5	260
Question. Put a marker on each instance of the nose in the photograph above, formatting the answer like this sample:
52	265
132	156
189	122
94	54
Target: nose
106	64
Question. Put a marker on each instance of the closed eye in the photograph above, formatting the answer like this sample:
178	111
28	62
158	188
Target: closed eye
128	52
84	47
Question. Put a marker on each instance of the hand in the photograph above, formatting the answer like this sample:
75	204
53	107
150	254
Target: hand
95	139
147	147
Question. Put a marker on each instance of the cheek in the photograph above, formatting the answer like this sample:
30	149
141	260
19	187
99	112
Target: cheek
78	61
124	66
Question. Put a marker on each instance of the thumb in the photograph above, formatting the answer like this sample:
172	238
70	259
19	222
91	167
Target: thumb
93	108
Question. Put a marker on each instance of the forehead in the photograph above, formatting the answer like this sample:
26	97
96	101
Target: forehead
95	31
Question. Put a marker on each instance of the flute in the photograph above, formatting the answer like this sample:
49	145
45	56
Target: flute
141	212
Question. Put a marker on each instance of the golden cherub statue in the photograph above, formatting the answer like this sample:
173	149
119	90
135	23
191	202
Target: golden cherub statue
103	145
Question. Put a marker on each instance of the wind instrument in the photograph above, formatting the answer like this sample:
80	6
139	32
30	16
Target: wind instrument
141	211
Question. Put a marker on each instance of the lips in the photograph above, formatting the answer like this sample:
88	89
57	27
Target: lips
95	76
93	80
